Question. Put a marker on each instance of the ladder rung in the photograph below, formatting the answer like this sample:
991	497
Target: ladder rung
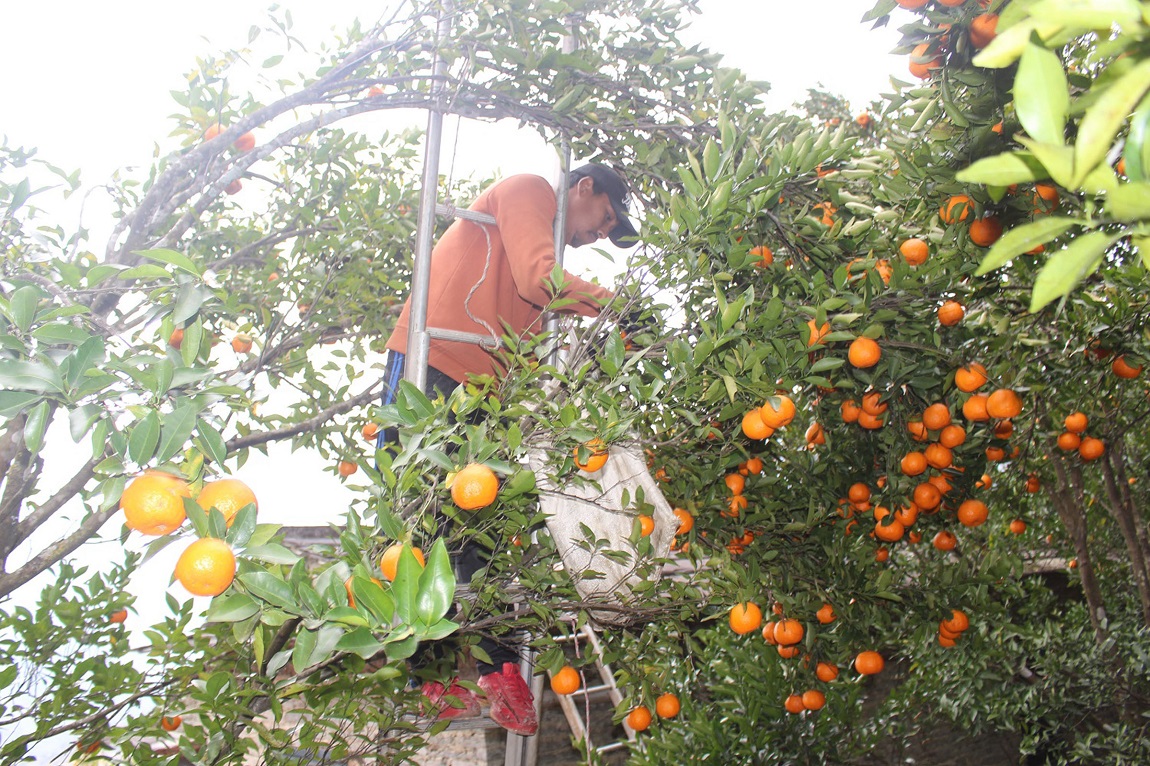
464	213
611	747
474	338
594	689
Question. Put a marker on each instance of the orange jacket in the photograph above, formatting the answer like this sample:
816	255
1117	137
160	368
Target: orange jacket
514	290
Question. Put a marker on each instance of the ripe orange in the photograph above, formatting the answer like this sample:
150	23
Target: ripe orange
118	616
777	411
245	143
984	232
950	313
737	503
639	718
970	378
389	562
745	618
1003	403
882	555
938	456
212	131
869	662
789	632
242	343
906	515
1018	526
920	65
941	483
686	521
918	430
945	540
596	459
927	496
1003	429
1068	441
858	492
766	257
474	487
936	417
206	567
370	431
891	532
1033	483
817	333
869	421
228	496
646	525
956	209
170	724
735	482
951	3
813	699
826	614
828	213
872	403
667	705
983	29
974	408
1076	422
863	120
794	704
850	411
952	436
972	513
958	621
153	503
826	672
864	352
176	339
995	454
1124	369
910	4
815	435
1091	448
754	427
754	465
769	633
234	188
913	463
566	681
915	251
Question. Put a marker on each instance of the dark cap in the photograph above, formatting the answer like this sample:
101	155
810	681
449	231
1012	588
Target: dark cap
612	184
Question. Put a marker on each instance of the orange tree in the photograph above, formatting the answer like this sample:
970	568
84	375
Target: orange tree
789	260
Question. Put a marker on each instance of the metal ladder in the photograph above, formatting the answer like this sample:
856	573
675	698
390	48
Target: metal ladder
570	702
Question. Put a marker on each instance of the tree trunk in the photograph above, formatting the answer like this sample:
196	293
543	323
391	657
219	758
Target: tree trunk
1121	508
1069	501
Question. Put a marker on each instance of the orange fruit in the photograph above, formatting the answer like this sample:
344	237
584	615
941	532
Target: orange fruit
646	525
212	131
941	483
826	672
1076	422
864	352
1003	429
974	408
745	618
957	623
936	417
474	487
778	411
754	465
813	699
592	463
176	339
950	313
639	718
907	515
206	567
863	120
970	378
817	333
915	251
789	632
920	68
1068	441
667	705
234	188
153	503
815	435
1003	403
228	496
983	29
1033	483
347	468
389	562
913	463
170	724
891	532
242	343
938	456
910	4
826	614
956	209
984	232
918	430
369	431
754	427
945	540
850	411
858	492
118	616
566	681
765	255
735	482
1124	369
872	403
1018	526
927	496
794	704
1091	448
952	436
736	504
972	513
769	633
245	143
869	662
686	521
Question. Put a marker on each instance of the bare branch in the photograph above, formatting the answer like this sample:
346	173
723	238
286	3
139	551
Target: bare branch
264	437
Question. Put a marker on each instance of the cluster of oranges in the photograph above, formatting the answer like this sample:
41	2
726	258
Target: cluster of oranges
1074	438
666	706
951	629
153	504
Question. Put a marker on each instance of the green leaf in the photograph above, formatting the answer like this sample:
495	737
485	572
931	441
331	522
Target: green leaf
212	442
232	607
193	338
1137	149
379	603
179	260
1103	120
1130	202
271	553
405	588
402	648
35	426
1006	47
88	355
439	630
1041	94
436	586
22	306
144	437
305	644
1004	169
1096	15
268	587
60	334
176	430
12	403
1067	268
1058	159
30	376
243	527
361	642
1022	239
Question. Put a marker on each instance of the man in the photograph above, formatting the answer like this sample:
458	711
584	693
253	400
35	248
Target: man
486	280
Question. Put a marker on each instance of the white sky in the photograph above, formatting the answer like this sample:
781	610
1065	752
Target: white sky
88	85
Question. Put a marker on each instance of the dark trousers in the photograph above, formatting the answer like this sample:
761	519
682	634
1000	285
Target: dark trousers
472	557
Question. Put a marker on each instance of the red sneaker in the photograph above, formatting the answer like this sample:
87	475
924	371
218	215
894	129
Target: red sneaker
512	704
465	704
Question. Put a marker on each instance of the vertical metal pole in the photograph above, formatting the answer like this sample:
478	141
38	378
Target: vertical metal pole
418	339
570	43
